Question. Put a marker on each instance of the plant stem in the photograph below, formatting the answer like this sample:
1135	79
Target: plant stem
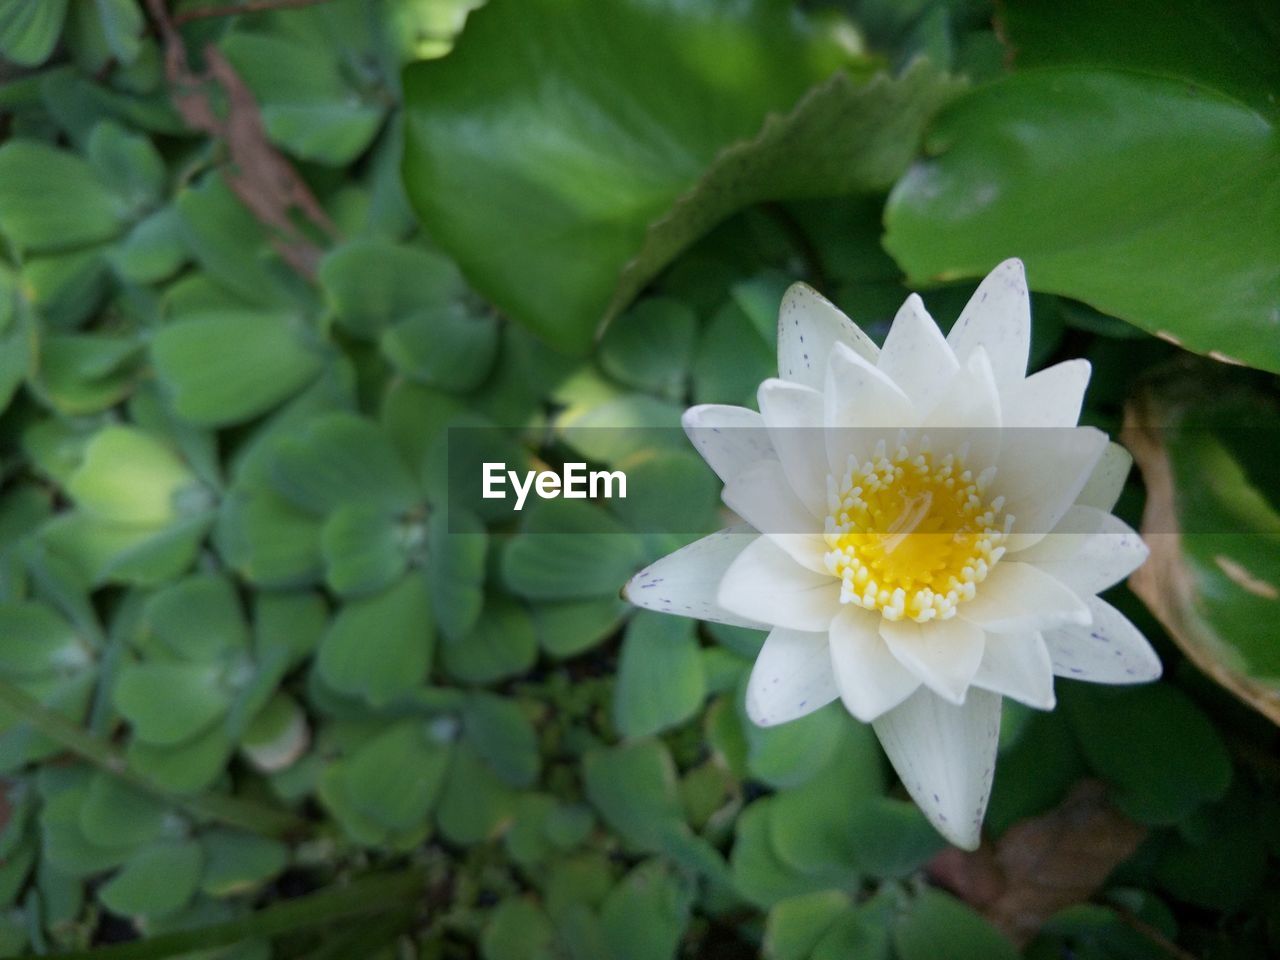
365	896
103	755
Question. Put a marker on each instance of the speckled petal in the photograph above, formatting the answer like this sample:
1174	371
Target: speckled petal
792	677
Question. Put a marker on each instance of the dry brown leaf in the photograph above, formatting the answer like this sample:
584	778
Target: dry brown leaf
259	175
1043	864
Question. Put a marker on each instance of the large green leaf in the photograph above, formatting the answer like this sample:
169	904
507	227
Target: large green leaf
1133	168
556	128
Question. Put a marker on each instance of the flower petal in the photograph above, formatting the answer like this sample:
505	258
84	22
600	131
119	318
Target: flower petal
1100	555
794	417
916	356
945	755
765	585
997	317
809	326
1040	474
729	438
686	582
792	676
863	406
762	496
1018	596
967	414
870	678
1105	484
1109	650
1018	666
944	654
1050	398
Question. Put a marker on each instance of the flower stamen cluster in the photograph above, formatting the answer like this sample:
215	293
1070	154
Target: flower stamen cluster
912	535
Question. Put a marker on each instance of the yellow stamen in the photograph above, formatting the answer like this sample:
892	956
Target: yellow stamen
912	535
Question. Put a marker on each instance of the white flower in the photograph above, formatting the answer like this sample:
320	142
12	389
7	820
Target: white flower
926	530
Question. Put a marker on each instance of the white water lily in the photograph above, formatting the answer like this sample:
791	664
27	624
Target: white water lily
926	530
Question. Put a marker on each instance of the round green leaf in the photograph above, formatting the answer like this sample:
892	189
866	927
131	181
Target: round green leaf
168	703
660	681
158	881
380	648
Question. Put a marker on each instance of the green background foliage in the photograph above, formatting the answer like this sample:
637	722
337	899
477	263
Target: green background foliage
262	696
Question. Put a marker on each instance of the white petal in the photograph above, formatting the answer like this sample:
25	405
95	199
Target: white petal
686	582
729	438
1018	596
967	413
870	678
916	356
765	585
1089	551
809	326
863	406
762	496
946	756
794	416
1107	480
1109	650
997	317
792	676
1040	474
1050	398
1017	665
944	654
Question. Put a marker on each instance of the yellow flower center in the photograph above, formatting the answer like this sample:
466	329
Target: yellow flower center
912	535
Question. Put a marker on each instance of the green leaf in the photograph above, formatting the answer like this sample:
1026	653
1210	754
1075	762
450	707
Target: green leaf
123	26
1153	744
937	925
503	737
569	550
158	881
475	805
644	916
518	930
651	346
115	814
230	366
575	626
362	548
237	862
522	155
53	200
759	874
380	648
308	106
29	29
1212	521
634	788
87	374
341	458
1237	57
795	925
152	251
198	619
456	558
372	284
187	767
395	778
447	347
38	642
168	703
268	541
501	645
660	678
127	476
1082	173
789	754
127	163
